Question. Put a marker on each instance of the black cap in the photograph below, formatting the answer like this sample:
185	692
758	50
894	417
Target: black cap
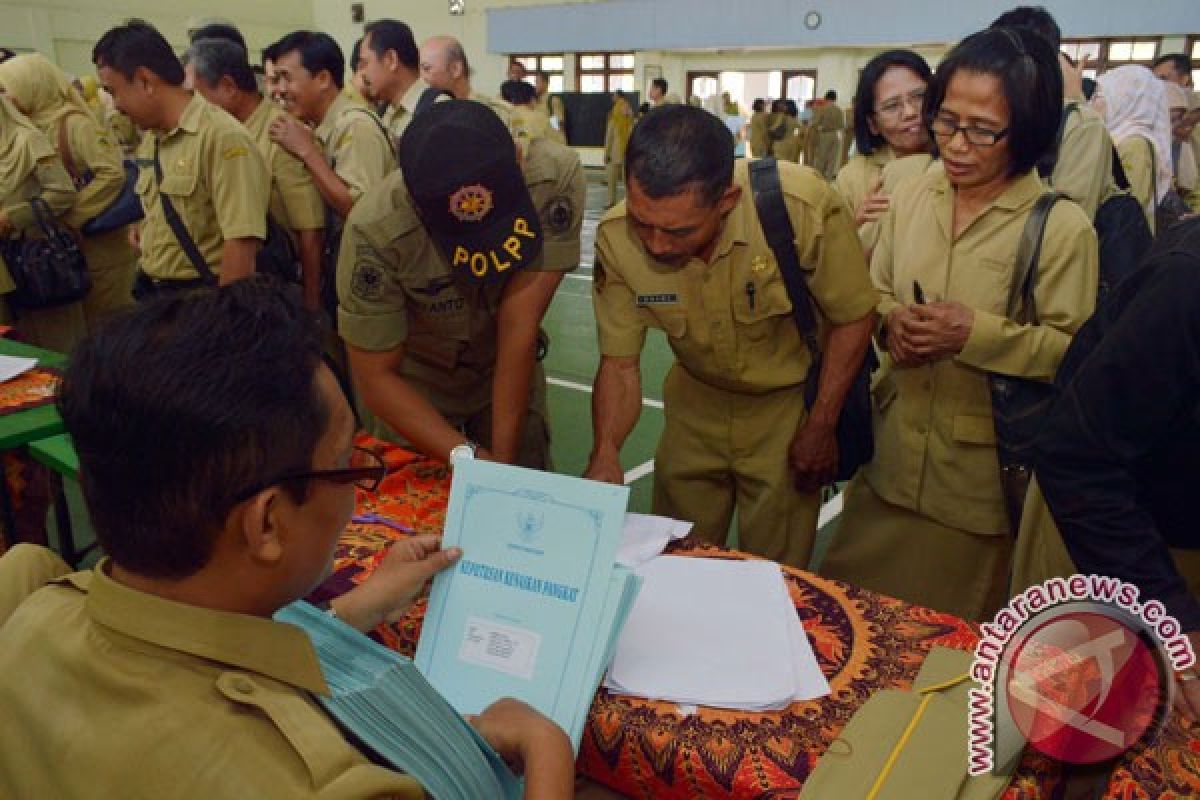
460	166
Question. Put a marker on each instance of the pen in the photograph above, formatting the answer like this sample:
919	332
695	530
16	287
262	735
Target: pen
918	293
750	290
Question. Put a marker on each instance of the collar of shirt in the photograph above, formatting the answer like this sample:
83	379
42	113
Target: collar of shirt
1022	191
189	120
736	228
259	118
273	649
335	111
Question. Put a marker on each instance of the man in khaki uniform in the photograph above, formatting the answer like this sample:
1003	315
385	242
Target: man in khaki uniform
445	273
219	71
349	152
528	119
444	66
760	139
692	260
161	672
391	71
211	172
828	124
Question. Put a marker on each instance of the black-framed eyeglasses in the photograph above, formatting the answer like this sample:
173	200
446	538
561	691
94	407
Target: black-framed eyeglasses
895	106
946	129
366	471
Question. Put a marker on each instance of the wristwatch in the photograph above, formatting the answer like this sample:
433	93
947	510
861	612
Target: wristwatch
464	451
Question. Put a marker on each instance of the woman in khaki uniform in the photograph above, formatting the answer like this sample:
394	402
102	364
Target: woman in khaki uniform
783	126
30	168
887	126
44	93
925	521
616	138
1133	104
760	141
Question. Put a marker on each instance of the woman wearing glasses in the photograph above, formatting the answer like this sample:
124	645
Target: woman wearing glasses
925	520
888	129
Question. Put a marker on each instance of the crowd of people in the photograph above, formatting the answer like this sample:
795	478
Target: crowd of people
424	229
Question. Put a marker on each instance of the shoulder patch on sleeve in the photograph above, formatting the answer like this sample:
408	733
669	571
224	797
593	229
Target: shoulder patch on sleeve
237	151
559	214
367	281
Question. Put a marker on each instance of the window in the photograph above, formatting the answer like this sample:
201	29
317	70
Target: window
604	72
1193	50
550	65
1106	54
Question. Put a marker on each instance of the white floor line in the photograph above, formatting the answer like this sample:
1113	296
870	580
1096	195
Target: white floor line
580	387
829	511
575	277
639	472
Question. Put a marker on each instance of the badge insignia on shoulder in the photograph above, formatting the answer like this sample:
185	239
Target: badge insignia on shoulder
367	281
471	203
559	214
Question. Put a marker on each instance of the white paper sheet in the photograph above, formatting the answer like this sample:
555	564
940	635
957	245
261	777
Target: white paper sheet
715	633
645	536
12	366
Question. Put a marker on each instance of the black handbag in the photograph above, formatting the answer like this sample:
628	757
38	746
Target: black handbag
1020	404
855	437
49	270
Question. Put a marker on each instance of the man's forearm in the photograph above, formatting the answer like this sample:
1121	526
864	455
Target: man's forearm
237	259
511	391
406	411
844	353
311	244
616	404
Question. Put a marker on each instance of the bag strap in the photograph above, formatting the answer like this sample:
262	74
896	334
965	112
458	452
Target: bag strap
177	227
1021	304
1118	171
781	237
64	149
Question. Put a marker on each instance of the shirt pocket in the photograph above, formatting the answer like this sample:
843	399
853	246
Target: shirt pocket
760	302
671	320
975	429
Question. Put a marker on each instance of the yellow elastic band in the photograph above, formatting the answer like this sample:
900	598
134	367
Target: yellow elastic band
912	726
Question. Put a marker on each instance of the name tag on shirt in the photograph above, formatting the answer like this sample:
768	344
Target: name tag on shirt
657	299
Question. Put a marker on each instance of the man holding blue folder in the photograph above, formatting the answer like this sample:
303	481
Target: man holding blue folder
217	460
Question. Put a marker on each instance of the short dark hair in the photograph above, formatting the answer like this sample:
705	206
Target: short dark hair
392	34
136	44
865	141
182	404
213	59
831	94
318	52
519	93
759	104
1035	18
6	53
661	83
270	52
1180	61
356	54
779	106
219	30
1028	69
678	147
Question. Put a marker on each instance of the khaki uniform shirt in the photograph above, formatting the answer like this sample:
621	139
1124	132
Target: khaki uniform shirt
398	115
396	288
295	202
935	441
760	141
860	173
111	692
830	118
355	146
217	182
729	322
530	123
1137	158
1083	171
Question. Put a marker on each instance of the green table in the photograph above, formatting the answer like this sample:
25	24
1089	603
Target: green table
58	453
22	427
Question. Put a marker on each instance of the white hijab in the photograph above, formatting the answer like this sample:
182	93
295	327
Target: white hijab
1133	102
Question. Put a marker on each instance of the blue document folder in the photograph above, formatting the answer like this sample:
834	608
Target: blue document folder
534	605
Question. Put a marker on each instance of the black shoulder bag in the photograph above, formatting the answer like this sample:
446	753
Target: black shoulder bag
177	227
49	270
1020	404
855	438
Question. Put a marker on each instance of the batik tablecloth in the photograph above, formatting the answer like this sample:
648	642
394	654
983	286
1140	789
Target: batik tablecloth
646	749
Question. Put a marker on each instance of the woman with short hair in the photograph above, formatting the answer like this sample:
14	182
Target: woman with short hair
926	520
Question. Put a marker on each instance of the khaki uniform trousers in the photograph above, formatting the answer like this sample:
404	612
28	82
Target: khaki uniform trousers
112	264
721	449
1041	553
904	554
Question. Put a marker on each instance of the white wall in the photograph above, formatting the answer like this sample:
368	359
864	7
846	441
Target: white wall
66	31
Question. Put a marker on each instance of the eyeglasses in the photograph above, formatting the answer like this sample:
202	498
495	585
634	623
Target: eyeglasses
945	129
896	106
366	471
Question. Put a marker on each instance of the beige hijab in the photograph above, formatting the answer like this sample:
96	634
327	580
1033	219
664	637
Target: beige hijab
22	146
42	90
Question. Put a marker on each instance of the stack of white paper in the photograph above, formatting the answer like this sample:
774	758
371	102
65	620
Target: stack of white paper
388	704
715	633
12	366
645	536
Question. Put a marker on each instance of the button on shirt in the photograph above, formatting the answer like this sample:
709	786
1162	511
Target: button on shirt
729	322
111	692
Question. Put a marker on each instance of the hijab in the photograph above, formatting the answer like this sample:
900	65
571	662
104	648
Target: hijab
1133	102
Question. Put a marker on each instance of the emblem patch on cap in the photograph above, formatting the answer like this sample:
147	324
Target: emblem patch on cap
471	203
